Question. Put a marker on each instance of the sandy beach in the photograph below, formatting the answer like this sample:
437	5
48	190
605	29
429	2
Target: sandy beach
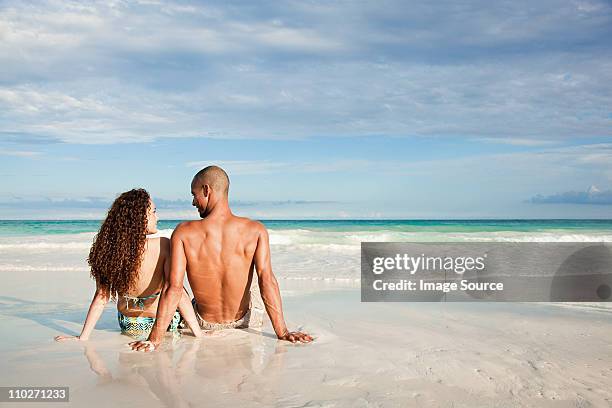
365	354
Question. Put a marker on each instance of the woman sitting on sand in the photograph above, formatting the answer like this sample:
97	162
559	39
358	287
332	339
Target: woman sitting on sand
129	266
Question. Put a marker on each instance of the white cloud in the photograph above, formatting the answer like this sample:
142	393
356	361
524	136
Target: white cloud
516	141
252	167
242	167
19	153
110	72
592	196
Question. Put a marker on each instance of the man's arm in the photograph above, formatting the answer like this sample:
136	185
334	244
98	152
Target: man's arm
170	295
188	314
270	293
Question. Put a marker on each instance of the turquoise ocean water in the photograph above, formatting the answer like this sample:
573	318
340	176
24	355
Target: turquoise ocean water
10	228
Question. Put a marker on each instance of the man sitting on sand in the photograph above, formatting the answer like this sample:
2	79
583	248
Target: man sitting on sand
219	253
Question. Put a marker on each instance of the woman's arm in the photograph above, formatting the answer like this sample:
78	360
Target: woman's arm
96	308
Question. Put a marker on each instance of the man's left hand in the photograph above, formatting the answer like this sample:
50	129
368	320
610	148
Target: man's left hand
294	337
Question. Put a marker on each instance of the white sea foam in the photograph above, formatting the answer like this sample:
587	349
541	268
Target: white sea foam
338	241
41	268
354	238
67	242
46	246
47	243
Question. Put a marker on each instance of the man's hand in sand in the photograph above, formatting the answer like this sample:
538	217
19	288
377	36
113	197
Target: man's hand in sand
294	337
144	345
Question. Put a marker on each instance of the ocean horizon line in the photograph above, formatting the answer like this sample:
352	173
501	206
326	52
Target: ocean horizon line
326	219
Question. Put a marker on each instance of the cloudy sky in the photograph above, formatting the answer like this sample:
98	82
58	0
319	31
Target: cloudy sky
317	109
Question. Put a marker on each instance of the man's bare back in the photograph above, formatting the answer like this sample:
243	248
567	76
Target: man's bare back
220	262
219	254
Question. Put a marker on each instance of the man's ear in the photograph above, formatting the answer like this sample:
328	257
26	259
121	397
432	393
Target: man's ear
206	190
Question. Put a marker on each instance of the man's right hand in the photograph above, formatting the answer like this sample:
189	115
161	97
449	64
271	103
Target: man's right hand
144	345
294	337
152	343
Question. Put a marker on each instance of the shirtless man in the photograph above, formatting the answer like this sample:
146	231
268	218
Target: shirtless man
219	253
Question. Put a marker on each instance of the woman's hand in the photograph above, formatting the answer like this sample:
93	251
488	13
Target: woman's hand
65	338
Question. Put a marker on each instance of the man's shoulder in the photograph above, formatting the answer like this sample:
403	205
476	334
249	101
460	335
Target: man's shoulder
250	224
184	228
185	224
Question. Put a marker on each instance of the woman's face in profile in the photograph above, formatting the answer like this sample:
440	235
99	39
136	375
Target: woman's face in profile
151	218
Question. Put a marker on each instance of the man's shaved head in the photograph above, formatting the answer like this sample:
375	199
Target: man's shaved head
215	177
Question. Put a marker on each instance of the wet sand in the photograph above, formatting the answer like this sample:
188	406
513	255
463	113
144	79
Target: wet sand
365	355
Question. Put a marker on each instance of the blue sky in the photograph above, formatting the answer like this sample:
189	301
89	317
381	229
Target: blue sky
316	109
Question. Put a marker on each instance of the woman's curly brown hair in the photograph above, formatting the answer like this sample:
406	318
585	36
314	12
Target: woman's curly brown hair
118	248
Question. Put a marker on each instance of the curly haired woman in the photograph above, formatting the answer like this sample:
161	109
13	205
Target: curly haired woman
129	267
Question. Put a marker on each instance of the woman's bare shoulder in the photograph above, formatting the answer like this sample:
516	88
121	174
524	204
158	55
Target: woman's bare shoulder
158	244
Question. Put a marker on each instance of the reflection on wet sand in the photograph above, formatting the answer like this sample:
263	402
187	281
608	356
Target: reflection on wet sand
228	362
